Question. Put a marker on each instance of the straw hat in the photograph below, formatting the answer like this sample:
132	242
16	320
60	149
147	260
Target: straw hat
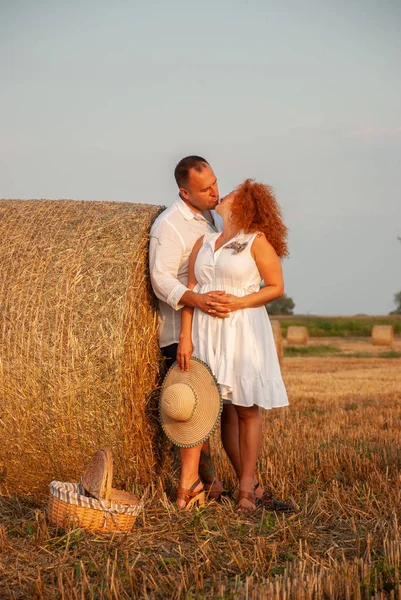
190	404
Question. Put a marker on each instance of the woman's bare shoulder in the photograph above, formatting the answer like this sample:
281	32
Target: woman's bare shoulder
261	244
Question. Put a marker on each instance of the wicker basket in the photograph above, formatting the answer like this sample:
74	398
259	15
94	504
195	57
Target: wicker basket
98	475
68	505
93	504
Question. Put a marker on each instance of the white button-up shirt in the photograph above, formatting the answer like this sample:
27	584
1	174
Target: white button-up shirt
172	238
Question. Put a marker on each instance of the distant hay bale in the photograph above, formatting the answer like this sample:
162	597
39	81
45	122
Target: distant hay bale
382	335
278	339
79	358
297	336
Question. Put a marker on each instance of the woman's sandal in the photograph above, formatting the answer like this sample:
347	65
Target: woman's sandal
250	496
191	497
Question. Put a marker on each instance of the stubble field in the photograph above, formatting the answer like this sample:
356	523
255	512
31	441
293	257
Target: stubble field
336	452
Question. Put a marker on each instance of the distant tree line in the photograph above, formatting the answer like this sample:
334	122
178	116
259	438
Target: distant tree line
397	302
397	299
281	306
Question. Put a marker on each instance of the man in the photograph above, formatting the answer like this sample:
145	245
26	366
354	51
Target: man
172	238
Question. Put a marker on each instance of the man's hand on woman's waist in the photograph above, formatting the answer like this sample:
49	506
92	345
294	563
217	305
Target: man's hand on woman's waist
214	303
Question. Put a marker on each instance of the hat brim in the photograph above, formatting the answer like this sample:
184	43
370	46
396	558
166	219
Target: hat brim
207	413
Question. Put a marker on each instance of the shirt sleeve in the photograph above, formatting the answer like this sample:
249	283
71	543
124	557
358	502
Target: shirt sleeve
166	249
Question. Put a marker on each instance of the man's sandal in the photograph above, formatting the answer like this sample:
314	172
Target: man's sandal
191	497
270	502
213	493
250	496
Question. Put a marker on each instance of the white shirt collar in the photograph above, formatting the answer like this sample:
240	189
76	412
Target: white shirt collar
189	214
186	212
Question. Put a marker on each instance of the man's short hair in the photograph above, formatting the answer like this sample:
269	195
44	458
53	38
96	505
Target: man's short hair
181	172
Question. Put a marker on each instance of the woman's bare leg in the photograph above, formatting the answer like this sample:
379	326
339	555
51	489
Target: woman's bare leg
230	436
230	440
250	443
189	470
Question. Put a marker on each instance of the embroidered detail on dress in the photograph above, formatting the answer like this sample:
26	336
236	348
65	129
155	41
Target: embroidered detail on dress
236	246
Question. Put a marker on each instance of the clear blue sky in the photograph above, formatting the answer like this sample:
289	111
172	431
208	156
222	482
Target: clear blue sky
99	100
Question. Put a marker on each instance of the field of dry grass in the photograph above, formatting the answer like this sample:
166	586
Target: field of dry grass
336	452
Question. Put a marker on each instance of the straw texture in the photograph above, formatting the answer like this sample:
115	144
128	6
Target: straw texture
297	335
382	335
78	349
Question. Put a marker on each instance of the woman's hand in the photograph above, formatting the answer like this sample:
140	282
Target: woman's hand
228	301
184	353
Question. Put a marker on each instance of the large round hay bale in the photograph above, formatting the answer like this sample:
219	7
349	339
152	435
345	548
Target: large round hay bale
79	358
382	335
278	339
297	336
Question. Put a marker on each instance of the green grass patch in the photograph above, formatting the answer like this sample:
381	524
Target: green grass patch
310	350
358	326
326	350
351	406
388	354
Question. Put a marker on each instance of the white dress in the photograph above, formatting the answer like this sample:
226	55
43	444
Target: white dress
240	349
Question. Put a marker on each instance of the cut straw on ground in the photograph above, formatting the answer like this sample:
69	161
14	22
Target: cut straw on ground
336	452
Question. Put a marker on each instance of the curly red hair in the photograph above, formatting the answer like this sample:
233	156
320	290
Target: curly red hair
255	208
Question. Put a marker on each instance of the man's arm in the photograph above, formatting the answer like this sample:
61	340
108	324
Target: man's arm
165	254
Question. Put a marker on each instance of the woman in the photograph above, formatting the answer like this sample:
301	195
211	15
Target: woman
240	349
